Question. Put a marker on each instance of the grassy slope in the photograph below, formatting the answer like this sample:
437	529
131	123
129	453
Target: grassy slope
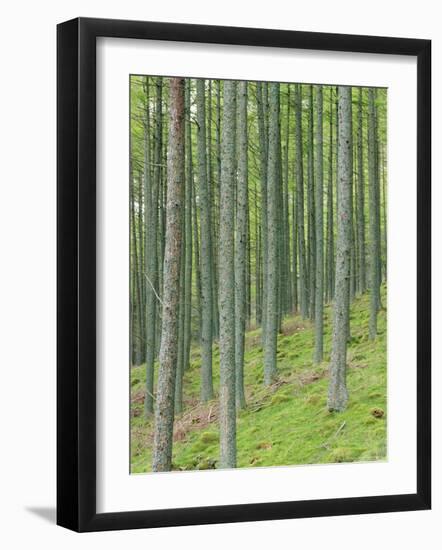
287	423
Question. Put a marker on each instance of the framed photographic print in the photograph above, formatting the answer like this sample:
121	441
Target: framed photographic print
243	274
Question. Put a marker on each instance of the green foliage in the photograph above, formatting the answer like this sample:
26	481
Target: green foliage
286	423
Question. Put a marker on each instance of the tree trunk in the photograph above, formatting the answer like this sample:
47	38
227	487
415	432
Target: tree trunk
330	262
319	205
164	413
188	235
337	393
137	290
227	282
241	244
206	248
311	211
294	254
151	276
361	199
263	146
273	184
373	217
303	291
181	320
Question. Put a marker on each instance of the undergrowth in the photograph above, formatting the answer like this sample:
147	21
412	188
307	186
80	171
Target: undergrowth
287	423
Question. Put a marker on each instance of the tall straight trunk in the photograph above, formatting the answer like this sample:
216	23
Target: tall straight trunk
337	392
303	290
384	210
141	232
213	213
196	261
288	294
206	248
311	210
164	412
248	263
184	328
132	319
158	197
330	261
218	140
241	244
294	254
263	146
354	281
180	354
361	199
273	184
136	267
151	275
227	410
373	218
319	206
215	210
188	235
280	285
353	264
378	194
258	288
352	285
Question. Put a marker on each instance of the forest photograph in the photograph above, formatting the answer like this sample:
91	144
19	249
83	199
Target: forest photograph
258	274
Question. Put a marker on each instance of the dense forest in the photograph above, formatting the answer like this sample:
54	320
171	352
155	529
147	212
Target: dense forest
258	266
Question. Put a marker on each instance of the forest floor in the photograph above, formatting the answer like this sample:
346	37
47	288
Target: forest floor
286	423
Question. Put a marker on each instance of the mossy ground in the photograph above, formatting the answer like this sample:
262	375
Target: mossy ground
287	423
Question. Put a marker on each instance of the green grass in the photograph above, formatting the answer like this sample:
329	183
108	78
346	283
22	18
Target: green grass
287	423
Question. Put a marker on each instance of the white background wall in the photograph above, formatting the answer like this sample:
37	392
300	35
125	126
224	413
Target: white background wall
27	273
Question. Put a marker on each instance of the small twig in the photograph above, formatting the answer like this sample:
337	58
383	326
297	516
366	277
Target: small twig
339	430
151	394
325	446
153	288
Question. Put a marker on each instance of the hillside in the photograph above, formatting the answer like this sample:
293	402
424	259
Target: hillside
287	423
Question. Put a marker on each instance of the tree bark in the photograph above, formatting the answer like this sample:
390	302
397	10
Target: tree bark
319	206
273	184
330	261
311	211
373	218
206	249
263	146
188	234
164	413
303	291
227	411
241	244
151	286
337	393
361	199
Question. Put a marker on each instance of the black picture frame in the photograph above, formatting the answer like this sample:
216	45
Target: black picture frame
77	287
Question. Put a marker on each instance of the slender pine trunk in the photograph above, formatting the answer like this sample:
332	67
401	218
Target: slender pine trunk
319	205
263	146
164	412
361	199
273	173
311	211
330	261
241	244
303	289
373	218
188	235
337	392
206	248
227	410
